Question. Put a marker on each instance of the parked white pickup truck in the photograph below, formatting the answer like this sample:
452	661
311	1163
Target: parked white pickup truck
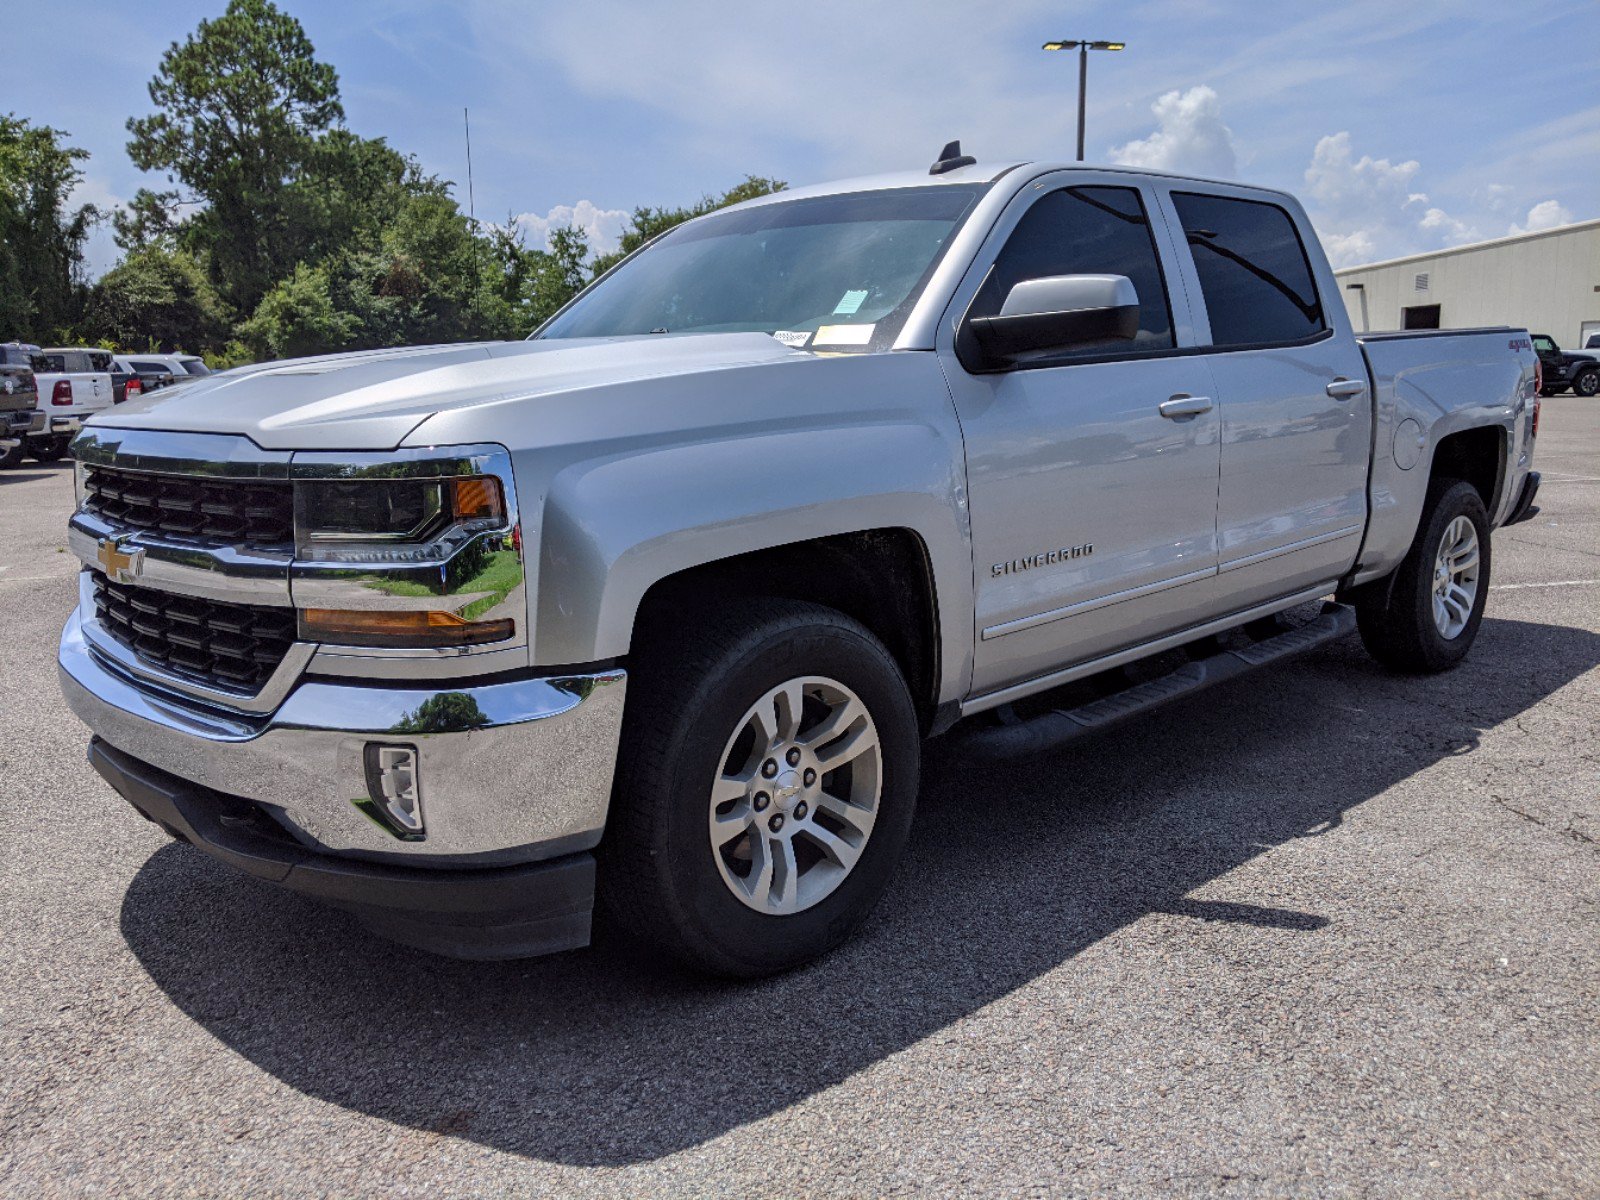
659	604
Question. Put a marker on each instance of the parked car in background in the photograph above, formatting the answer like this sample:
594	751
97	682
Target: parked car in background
19	401
74	383
179	368
1564	369
1592	342
462	637
131	376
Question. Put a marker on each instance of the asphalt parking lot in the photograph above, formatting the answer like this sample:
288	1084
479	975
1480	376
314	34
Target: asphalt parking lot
1323	931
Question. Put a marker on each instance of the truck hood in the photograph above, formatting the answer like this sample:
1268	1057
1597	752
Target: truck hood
373	399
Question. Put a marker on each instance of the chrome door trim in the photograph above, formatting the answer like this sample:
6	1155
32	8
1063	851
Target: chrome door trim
1250	560
1043	683
1083	606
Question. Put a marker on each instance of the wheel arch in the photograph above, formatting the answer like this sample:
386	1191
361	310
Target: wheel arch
873	524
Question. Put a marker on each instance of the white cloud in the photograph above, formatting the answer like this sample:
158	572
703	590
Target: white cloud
1370	208
1189	137
1436	220
603	226
1348	249
1343	185
1546	214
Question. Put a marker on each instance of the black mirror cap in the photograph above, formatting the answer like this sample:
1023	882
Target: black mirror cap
1004	340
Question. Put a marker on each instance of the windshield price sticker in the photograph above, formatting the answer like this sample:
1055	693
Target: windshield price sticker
844	335
850	304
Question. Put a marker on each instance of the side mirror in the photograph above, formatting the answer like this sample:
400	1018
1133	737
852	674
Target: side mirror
1057	313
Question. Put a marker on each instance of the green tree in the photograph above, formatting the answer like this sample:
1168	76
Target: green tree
299	317
149	219
558	273
647	223
239	106
41	236
157	298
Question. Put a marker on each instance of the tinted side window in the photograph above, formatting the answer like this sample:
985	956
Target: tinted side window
1086	231
1254	274
50	364
196	367
153	368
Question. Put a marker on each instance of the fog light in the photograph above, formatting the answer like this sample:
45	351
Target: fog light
395	788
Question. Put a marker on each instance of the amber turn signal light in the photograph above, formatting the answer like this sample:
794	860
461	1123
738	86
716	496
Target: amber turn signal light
399	629
476	499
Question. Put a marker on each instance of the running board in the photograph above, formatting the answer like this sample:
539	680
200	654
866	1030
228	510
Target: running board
1048	730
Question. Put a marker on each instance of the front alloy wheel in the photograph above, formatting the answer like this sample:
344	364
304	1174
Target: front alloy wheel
765	789
795	803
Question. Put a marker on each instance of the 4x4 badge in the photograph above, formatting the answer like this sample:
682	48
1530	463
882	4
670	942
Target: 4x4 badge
122	566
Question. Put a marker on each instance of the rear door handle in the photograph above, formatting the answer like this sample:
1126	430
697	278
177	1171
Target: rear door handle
1343	389
1185	406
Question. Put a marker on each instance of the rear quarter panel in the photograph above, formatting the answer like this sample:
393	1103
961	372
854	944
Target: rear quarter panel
1427	386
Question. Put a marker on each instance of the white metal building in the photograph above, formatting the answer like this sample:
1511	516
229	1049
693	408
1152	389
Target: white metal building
1545	282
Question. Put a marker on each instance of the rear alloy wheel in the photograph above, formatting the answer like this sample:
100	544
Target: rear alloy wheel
1455	578
765	787
1424	617
1588	383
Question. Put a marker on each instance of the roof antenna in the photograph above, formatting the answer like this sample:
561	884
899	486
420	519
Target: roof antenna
950	158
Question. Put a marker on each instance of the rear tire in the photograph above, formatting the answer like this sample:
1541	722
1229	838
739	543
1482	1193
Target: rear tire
47	449
12	457
1424	617
1587	384
744	842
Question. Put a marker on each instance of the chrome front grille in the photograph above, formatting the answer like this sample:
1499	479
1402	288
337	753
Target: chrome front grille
256	513
230	646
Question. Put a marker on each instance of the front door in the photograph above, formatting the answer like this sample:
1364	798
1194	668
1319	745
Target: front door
1093	514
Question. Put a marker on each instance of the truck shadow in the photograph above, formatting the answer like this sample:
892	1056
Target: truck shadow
594	1058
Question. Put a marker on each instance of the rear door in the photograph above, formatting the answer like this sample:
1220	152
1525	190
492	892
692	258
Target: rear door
1296	416
1093	515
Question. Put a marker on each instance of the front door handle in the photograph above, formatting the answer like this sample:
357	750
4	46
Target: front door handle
1185	406
1343	389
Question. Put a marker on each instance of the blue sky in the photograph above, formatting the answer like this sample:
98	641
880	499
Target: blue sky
1403	126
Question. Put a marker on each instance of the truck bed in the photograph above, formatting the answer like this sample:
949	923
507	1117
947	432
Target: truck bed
1428	384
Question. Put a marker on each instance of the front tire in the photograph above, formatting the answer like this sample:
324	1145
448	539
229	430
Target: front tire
1587	384
1424	617
765	789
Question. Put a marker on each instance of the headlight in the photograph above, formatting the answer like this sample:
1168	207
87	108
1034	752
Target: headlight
414	550
393	520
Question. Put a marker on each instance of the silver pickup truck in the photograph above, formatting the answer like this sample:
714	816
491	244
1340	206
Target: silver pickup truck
656	608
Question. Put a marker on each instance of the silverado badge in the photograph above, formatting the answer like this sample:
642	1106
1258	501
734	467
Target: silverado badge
122	566
1043	558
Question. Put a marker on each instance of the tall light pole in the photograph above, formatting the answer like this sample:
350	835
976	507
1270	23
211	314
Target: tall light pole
1083	48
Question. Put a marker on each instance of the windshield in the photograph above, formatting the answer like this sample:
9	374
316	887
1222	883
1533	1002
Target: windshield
834	272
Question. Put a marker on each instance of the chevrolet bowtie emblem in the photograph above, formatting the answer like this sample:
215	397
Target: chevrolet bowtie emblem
122	566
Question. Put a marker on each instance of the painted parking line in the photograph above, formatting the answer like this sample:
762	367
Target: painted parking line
1507	587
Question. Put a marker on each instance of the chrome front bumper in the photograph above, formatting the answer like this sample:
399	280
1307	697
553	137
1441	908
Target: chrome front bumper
511	772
